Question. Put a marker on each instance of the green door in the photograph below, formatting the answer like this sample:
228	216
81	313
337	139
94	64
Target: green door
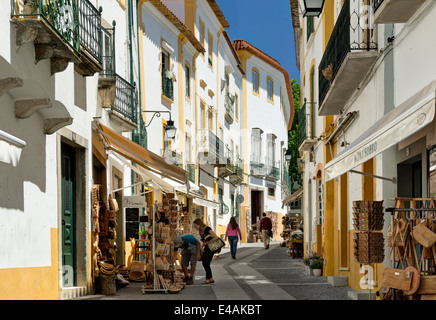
68	216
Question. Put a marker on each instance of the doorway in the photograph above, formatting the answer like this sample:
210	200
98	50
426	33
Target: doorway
256	206
410	178
68	194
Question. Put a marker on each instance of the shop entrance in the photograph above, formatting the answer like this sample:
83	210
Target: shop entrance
256	206
410	178
68	156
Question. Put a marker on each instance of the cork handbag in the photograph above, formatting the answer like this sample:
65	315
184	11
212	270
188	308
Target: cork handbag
397	279
424	235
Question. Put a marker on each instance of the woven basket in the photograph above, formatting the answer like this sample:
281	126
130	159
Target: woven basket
137	271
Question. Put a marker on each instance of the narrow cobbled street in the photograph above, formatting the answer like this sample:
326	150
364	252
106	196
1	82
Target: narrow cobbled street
256	274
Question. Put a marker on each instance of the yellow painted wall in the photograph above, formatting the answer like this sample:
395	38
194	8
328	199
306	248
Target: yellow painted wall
38	283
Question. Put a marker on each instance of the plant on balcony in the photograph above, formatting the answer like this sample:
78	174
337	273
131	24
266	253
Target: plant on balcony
30	6
170	75
328	72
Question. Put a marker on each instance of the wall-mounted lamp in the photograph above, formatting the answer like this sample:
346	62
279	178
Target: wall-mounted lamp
311	8
288	155
170	129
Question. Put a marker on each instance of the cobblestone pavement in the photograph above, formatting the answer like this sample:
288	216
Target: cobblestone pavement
256	274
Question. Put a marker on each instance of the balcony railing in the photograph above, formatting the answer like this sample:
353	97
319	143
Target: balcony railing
75	23
190	169
108	52
230	111
258	167
90	28
210	147
125	99
61	15
167	85
286	179
273	170
302	124
172	156
238	172
353	32
377	4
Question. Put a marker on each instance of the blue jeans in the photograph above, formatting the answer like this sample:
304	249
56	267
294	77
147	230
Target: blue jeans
233	241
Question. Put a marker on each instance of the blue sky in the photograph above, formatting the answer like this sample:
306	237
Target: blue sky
266	24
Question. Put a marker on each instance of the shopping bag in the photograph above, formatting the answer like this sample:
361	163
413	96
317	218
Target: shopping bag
216	245
427	285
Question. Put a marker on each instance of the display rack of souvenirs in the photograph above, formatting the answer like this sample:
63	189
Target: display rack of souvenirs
368	217
161	275
104	222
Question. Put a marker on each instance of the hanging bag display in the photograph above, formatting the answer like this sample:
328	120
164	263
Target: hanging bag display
424	235
427	285
397	279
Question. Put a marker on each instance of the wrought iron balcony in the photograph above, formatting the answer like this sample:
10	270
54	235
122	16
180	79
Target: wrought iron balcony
210	148
62	30
238	173
173	157
124	113
226	169
258	167
190	169
395	11
286	180
168	85
230	111
305	131
273	170
350	53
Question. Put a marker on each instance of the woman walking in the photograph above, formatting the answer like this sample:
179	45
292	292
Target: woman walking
232	234
207	236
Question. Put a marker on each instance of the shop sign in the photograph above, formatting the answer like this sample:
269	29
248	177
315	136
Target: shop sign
134	202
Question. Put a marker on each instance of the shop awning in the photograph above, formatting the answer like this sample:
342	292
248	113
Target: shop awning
296	195
152	181
400	123
154	163
206	203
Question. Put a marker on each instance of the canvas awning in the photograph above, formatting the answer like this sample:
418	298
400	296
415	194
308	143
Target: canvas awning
296	195
206	203
400	123
144	158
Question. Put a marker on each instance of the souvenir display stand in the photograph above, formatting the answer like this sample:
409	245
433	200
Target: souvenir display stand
104	221
161	272
368	217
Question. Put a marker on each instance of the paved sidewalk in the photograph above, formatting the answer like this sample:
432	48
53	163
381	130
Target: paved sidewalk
256	274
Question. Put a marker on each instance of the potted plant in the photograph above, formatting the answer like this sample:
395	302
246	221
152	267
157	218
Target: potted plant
316	267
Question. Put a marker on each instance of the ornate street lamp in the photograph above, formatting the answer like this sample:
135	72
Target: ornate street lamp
311	8
170	129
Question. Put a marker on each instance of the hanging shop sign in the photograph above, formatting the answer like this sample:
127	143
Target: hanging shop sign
134	202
